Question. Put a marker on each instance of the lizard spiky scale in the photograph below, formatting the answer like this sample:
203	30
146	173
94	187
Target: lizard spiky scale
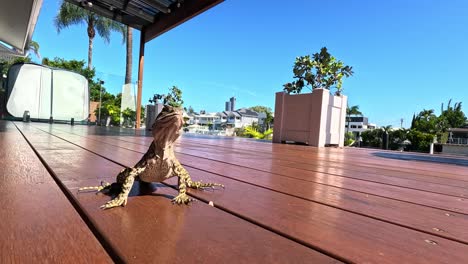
158	163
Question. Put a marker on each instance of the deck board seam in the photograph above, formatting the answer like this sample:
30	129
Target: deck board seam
86	219
368	165
286	176
308	245
259	186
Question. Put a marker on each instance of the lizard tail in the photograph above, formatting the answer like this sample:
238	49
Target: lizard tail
202	185
104	185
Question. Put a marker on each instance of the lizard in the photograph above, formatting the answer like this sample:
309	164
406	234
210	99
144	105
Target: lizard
158	163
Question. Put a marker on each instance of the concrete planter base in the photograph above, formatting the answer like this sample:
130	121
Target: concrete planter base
316	119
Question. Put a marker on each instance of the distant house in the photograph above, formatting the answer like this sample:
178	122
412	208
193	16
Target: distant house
358	124
227	119
239	118
204	119
457	142
458	136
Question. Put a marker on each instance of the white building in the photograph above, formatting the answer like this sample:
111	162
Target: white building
358	124
234	119
239	118
205	119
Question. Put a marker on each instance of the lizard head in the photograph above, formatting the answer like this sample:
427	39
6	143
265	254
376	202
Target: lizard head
167	125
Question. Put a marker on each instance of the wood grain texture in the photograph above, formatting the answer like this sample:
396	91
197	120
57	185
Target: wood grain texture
38	223
431	220
151	229
351	236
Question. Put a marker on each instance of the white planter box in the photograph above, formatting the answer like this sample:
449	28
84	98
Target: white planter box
316	119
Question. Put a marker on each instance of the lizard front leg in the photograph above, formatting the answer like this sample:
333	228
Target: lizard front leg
182	198
127	184
185	181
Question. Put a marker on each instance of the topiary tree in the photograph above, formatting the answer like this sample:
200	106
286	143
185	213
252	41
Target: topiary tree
174	97
319	71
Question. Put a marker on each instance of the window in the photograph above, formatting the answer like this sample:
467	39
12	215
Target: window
359	127
353	126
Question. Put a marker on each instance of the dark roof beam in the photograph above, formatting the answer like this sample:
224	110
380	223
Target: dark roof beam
130	9
134	22
139	13
186	11
161	7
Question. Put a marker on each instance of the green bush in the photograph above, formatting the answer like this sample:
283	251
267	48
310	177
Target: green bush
420	141
396	138
444	137
349	138
372	138
252	132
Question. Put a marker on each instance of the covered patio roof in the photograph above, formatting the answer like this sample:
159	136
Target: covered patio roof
154	17
17	22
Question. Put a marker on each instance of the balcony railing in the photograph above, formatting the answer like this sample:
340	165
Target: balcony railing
459	141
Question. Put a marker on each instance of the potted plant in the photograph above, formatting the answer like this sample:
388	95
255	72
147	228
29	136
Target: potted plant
316	118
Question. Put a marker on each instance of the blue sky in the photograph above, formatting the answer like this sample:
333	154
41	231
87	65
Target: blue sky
406	55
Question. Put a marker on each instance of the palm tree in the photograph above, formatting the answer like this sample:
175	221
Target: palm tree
386	128
34	48
128	63
70	14
353	111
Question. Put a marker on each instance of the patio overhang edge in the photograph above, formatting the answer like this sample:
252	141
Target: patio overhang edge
188	10
20	40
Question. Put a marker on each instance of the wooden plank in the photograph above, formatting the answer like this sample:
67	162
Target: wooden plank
436	200
340	168
153	229
38	222
356	156
427	220
308	171
354	237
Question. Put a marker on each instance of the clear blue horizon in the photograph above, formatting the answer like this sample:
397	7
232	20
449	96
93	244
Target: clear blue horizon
407	55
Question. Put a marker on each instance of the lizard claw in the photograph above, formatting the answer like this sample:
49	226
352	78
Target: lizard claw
182	199
119	201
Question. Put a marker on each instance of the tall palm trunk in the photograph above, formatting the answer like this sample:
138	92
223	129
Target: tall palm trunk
91	34
128	65
90	53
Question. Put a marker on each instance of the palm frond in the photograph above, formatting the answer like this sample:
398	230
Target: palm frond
70	14
105	26
34	47
252	132
268	133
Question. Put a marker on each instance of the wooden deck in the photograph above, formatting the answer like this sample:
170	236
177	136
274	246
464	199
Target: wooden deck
282	203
